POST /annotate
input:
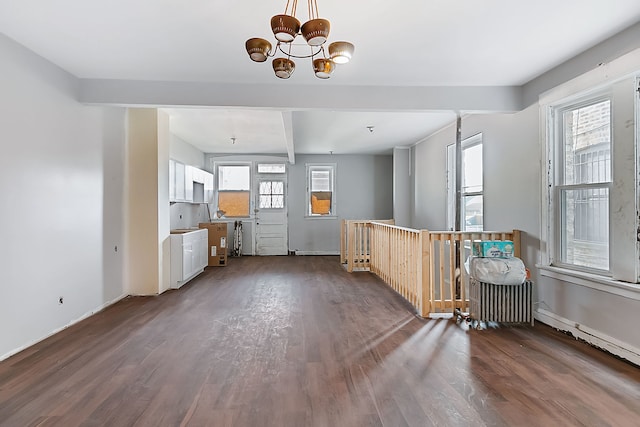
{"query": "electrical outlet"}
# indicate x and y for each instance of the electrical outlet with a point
(61, 300)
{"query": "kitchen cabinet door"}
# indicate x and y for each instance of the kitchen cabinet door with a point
(208, 187)
(188, 178)
(180, 182)
(172, 180)
(188, 267)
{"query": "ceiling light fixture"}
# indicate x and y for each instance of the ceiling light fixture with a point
(315, 31)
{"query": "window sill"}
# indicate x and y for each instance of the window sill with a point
(592, 281)
(321, 217)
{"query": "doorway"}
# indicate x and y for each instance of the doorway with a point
(271, 210)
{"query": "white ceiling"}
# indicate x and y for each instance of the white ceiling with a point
(415, 43)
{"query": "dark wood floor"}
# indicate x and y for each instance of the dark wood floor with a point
(296, 341)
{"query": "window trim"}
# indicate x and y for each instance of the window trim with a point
(332, 167)
(216, 169)
(466, 143)
(622, 77)
(556, 162)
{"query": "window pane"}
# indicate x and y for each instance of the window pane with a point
(234, 177)
(265, 187)
(321, 202)
(234, 203)
(277, 202)
(271, 168)
(265, 202)
(320, 180)
(472, 169)
(271, 194)
(472, 207)
(587, 144)
(585, 227)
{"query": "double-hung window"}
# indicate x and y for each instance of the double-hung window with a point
(583, 180)
(321, 194)
(234, 190)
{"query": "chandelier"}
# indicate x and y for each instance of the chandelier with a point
(315, 31)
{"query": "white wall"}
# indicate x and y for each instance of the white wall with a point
(363, 189)
(512, 200)
(147, 209)
(186, 153)
(56, 199)
(511, 179)
(402, 170)
(429, 163)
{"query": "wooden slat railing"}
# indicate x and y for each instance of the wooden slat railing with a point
(399, 257)
(355, 243)
(448, 281)
(425, 267)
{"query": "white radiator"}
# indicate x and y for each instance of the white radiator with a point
(501, 303)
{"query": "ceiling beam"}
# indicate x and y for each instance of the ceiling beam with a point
(287, 123)
(302, 97)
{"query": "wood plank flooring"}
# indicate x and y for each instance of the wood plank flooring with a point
(297, 341)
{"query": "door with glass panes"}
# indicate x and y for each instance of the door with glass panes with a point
(271, 210)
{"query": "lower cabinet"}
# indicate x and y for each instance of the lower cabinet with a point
(188, 255)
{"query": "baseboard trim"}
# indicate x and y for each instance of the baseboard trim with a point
(591, 336)
(55, 331)
(302, 253)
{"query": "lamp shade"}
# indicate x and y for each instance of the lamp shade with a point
(258, 49)
(323, 68)
(341, 52)
(316, 31)
(283, 67)
(285, 27)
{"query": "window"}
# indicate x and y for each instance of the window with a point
(583, 151)
(271, 194)
(471, 197)
(278, 168)
(234, 190)
(321, 190)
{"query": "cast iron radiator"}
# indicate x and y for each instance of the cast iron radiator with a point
(501, 303)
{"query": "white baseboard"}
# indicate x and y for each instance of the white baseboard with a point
(317, 252)
(593, 337)
(55, 331)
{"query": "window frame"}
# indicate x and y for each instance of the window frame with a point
(271, 179)
(331, 167)
(557, 169)
(622, 77)
(466, 143)
(217, 166)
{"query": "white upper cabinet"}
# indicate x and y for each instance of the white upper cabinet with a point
(172, 180)
(189, 184)
(180, 182)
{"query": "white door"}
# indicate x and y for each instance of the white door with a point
(271, 215)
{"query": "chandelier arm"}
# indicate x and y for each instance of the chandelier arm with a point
(314, 5)
(289, 54)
